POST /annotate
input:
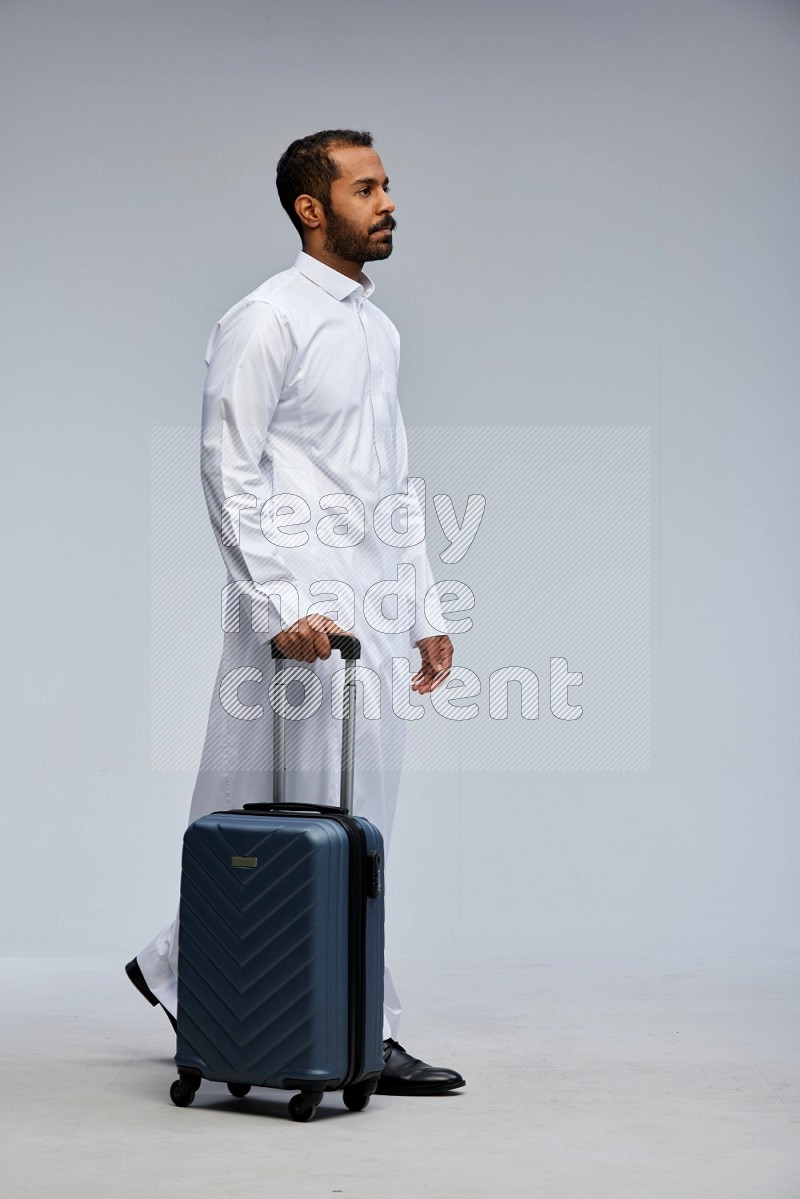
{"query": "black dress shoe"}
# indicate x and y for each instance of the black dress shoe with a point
(134, 973)
(406, 1075)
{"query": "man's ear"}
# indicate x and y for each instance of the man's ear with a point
(309, 211)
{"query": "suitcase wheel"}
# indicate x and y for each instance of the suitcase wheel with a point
(183, 1089)
(356, 1098)
(238, 1089)
(303, 1106)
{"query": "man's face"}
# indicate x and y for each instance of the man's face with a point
(359, 226)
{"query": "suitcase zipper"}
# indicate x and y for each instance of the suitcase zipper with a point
(357, 933)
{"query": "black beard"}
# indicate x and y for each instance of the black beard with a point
(346, 241)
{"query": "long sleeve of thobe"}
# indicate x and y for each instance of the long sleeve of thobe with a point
(247, 360)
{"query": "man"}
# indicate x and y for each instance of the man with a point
(301, 417)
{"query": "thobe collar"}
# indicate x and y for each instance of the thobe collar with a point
(333, 282)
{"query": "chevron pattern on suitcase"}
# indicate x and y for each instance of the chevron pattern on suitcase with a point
(263, 951)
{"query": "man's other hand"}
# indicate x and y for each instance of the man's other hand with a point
(437, 659)
(307, 640)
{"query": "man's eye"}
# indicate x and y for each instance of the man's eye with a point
(364, 191)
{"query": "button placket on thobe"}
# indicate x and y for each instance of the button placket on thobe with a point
(375, 388)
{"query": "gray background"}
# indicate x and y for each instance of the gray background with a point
(596, 209)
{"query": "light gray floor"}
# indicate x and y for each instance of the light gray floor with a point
(583, 1081)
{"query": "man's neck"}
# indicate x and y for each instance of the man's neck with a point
(353, 270)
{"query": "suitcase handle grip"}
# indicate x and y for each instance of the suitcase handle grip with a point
(349, 647)
(289, 807)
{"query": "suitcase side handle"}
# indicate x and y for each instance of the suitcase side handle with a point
(348, 646)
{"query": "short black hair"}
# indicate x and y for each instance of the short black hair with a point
(307, 169)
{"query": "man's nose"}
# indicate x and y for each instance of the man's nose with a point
(385, 204)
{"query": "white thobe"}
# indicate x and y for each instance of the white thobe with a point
(302, 443)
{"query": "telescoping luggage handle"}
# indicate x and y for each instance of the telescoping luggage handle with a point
(350, 649)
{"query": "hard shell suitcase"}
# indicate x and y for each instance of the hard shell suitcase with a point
(281, 940)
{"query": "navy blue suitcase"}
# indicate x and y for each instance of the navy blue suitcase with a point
(281, 941)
